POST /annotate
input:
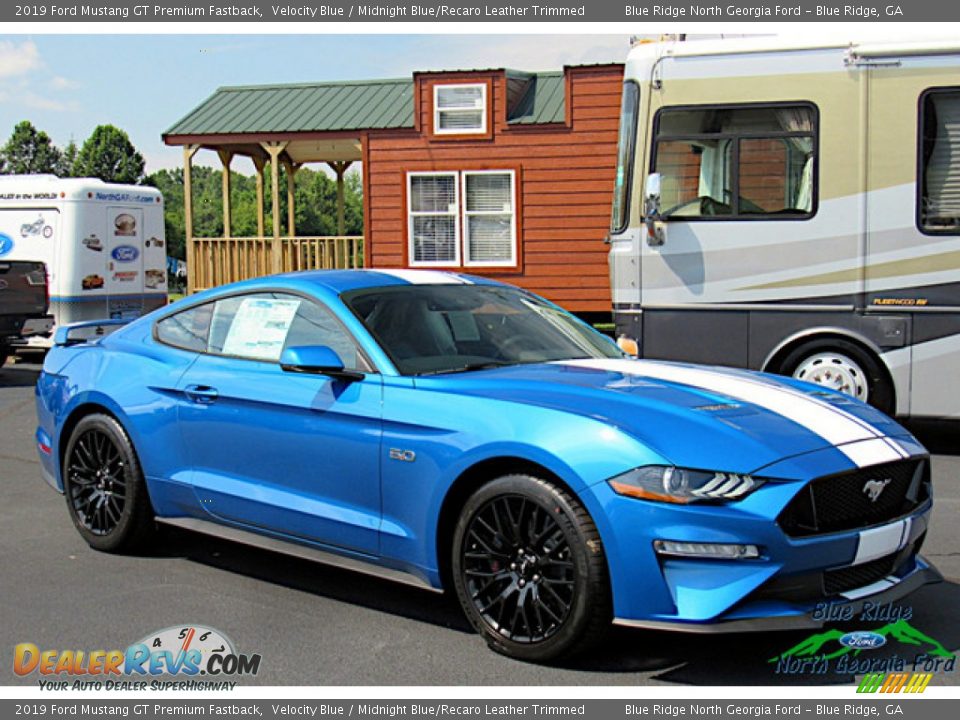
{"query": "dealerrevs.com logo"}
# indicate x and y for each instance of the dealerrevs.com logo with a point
(182, 651)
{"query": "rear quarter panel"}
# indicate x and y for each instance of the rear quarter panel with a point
(129, 377)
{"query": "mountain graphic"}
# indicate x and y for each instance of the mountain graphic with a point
(901, 630)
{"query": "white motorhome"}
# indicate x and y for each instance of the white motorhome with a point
(795, 207)
(103, 244)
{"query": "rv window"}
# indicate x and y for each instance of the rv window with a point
(939, 182)
(629, 107)
(742, 161)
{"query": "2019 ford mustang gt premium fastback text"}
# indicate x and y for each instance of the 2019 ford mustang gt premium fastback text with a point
(455, 432)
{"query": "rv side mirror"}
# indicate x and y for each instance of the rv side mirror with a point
(656, 228)
(651, 193)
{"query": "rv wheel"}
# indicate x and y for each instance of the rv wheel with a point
(842, 366)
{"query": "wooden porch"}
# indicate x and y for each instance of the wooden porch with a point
(221, 260)
(218, 261)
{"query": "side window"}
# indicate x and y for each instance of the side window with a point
(742, 161)
(261, 325)
(187, 330)
(938, 207)
(315, 325)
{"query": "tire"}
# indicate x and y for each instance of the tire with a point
(541, 602)
(103, 484)
(844, 366)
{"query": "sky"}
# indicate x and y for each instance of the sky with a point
(66, 85)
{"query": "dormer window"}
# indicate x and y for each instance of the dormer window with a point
(460, 109)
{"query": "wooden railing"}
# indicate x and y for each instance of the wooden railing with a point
(218, 261)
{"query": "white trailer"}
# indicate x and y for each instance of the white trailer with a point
(794, 206)
(103, 245)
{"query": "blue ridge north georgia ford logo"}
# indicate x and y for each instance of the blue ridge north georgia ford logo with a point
(863, 640)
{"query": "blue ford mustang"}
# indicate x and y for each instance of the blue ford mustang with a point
(455, 432)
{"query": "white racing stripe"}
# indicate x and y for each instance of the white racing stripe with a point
(833, 424)
(872, 452)
(882, 541)
(878, 586)
(425, 277)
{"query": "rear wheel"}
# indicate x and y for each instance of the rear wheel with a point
(842, 366)
(529, 569)
(104, 487)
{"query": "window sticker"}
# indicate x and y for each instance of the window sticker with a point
(260, 328)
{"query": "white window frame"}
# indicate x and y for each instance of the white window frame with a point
(512, 261)
(460, 216)
(411, 214)
(437, 130)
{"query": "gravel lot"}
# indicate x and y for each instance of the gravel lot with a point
(315, 625)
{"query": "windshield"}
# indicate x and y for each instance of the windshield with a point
(433, 329)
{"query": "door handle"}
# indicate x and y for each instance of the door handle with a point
(202, 394)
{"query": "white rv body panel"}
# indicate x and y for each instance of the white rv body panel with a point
(103, 244)
(753, 287)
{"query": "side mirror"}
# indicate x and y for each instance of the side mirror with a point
(316, 360)
(656, 228)
(651, 193)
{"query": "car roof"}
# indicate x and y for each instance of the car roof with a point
(340, 281)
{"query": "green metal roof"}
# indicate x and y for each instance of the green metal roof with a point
(543, 102)
(306, 107)
(352, 105)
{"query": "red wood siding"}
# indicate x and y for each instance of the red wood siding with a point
(564, 176)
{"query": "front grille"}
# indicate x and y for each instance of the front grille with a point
(841, 502)
(858, 576)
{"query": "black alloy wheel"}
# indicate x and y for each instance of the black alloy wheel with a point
(529, 569)
(98, 487)
(104, 487)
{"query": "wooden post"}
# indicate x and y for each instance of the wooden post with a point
(260, 164)
(226, 157)
(291, 169)
(188, 152)
(340, 167)
(274, 150)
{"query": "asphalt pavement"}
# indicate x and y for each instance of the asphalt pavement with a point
(315, 625)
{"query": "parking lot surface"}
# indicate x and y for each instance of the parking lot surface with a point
(315, 625)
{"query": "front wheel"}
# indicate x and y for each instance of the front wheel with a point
(104, 487)
(529, 569)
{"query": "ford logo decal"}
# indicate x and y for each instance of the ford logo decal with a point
(6, 244)
(863, 640)
(125, 253)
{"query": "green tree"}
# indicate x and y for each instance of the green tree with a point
(28, 151)
(109, 155)
(315, 208)
(68, 159)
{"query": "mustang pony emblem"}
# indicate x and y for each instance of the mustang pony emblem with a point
(873, 488)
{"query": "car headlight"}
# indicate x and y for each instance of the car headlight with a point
(666, 483)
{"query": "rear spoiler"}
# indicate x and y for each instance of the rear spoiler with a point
(87, 331)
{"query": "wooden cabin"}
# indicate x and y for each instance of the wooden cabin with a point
(494, 172)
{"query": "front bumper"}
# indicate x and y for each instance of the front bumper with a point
(788, 586)
(925, 573)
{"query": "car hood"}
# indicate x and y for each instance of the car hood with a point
(696, 416)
